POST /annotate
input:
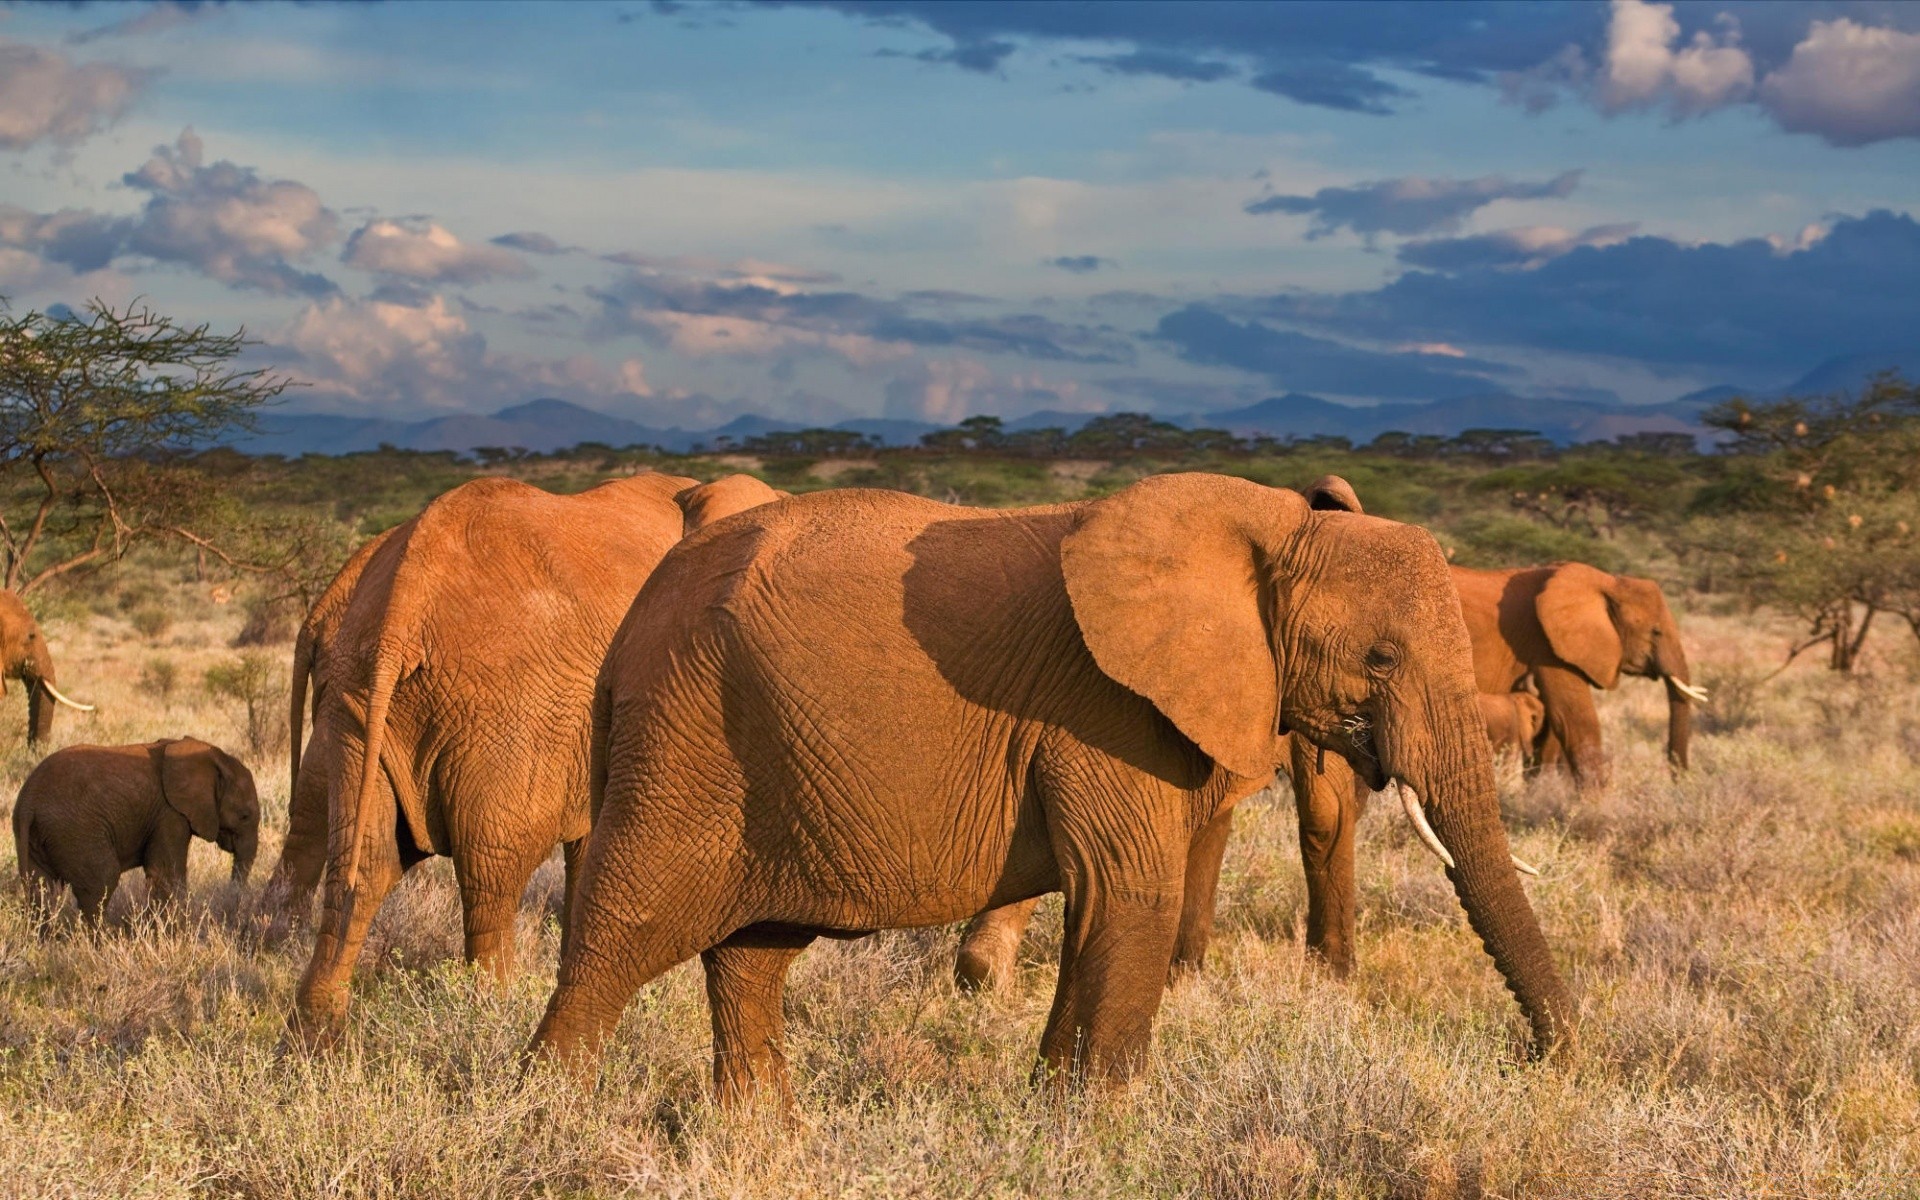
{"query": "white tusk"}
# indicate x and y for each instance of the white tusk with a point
(1696, 694)
(1418, 815)
(55, 693)
(1523, 866)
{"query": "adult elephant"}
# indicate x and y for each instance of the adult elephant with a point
(303, 855)
(1575, 628)
(859, 710)
(24, 656)
(1328, 802)
(452, 691)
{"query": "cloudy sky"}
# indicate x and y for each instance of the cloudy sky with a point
(679, 212)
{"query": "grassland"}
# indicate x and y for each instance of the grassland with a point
(1744, 941)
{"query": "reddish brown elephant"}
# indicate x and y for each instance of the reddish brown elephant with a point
(1574, 628)
(1513, 721)
(451, 692)
(24, 656)
(858, 710)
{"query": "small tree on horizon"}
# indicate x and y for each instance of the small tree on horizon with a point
(96, 409)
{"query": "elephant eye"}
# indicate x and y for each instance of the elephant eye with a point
(1383, 657)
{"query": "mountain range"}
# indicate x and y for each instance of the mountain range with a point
(547, 425)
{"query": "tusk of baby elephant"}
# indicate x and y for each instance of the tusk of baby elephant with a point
(1523, 866)
(1418, 815)
(1696, 694)
(55, 693)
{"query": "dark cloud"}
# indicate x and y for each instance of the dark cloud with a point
(531, 243)
(981, 57)
(74, 238)
(1167, 64)
(1304, 363)
(1080, 264)
(1316, 53)
(1331, 85)
(1409, 206)
(1746, 305)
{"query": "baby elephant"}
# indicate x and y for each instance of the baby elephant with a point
(87, 813)
(1513, 721)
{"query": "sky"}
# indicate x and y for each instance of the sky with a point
(682, 212)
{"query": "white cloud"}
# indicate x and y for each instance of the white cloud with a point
(381, 355)
(947, 391)
(227, 222)
(1851, 84)
(1643, 69)
(47, 97)
(427, 253)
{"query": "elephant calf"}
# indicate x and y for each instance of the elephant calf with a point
(88, 813)
(1513, 721)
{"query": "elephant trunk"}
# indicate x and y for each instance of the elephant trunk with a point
(1680, 696)
(245, 846)
(1461, 802)
(35, 674)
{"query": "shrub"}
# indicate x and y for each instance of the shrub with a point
(270, 622)
(254, 680)
(159, 677)
(151, 621)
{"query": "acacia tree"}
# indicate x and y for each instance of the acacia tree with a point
(96, 409)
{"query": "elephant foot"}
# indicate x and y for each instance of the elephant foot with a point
(314, 1028)
(983, 965)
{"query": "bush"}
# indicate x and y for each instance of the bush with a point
(270, 621)
(159, 677)
(254, 679)
(151, 621)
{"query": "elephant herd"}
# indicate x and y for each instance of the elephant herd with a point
(751, 720)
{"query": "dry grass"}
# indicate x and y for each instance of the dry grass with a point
(1746, 944)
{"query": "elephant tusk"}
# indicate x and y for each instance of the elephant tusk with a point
(1696, 694)
(55, 693)
(1418, 815)
(1523, 866)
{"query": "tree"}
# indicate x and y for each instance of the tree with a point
(96, 410)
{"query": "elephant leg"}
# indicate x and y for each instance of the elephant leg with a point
(1114, 959)
(492, 880)
(644, 904)
(746, 978)
(1204, 857)
(91, 895)
(289, 893)
(320, 1003)
(42, 897)
(1328, 805)
(1575, 723)
(990, 946)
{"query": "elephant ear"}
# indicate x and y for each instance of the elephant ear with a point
(1533, 714)
(190, 783)
(1330, 493)
(1575, 614)
(705, 503)
(1166, 581)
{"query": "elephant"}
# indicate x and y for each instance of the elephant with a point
(88, 813)
(303, 856)
(452, 690)
(1329, 799)
(1575, 627)
(1513, 721)
(709, 502)
(24, 656)
(857, 710)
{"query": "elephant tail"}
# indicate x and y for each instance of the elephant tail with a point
(387, 667)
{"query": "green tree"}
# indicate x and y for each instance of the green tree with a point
(96, 411)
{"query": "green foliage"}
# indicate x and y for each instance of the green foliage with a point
(254, 680)
(151, 621)
(159, 677)
(91, 406)
(1502, 540)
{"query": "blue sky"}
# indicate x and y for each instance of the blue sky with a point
(682, 212)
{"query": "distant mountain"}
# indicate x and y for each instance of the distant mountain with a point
(1851, 372)
(1565, 421)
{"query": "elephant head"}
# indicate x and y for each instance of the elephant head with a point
(706, 503)
(24, 656)
(1529, 713)
(214, 791)
(1605, 626)
(1242, 614)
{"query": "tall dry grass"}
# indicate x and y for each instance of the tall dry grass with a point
(1745, 943)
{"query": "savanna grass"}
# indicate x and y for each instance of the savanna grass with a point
(1744, 941)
